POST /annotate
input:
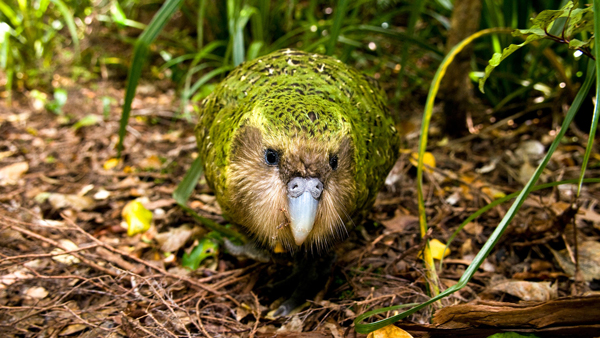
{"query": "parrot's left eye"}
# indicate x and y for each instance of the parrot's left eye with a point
(271, 157)
(333, 162)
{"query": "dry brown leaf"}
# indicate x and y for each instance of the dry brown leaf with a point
(66, 259)
(294, 325)
(11, 174)
(399, 222)
(529, 291)
(37, 292)
(473, 228)
(173, 239)
(589, 260)
(15, 276)
(76, 202)
(74, 328)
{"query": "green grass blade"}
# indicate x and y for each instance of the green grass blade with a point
(487, 247)
(41, 8)
(140, 51)
(6, 60)
(204, 79)
(340, 14)
(68, 16)
(417, 8)
(427, 258)
(400, 36)
(10, 14)
(200, 25)
(285, 40)
(254, 49)
(196, 56)
(185, 189)
(264, 8)
(518, 92)
(235, 31)
(190, 90)
(508, 198)
(592, 134)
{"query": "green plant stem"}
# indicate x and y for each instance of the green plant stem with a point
(592, 134)
(428, 260)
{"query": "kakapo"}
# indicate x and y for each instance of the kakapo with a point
(295, 146)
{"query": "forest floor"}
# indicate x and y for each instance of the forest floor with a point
(61, 190)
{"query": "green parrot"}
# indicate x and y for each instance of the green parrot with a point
(295, 146)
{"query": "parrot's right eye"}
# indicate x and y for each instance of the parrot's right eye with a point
(333, 162)
(271, 157)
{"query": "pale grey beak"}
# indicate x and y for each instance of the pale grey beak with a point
(303, 200)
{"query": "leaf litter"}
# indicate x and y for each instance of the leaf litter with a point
(68, 267)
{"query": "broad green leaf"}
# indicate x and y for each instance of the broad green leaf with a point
(60, 96)
(578, 44)
(526, 32)
(499, 57)
(581, 20)
(547, 17)
(578, 20)
(206, 248)
(86, 121)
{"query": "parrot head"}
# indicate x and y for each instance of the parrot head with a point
(291, 173)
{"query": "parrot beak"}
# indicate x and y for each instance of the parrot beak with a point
(303, 200)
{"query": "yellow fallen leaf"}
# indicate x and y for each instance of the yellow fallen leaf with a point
(428, 161)
(111, 163)
(437, 249)
(150, 163)
(493, 192)
(31, 131)
(389, 331)
(467, 178)
(138, 218)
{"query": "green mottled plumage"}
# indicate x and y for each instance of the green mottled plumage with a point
(296, 100)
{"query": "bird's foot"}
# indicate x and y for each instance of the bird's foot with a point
(247, 250)
(310, 276)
